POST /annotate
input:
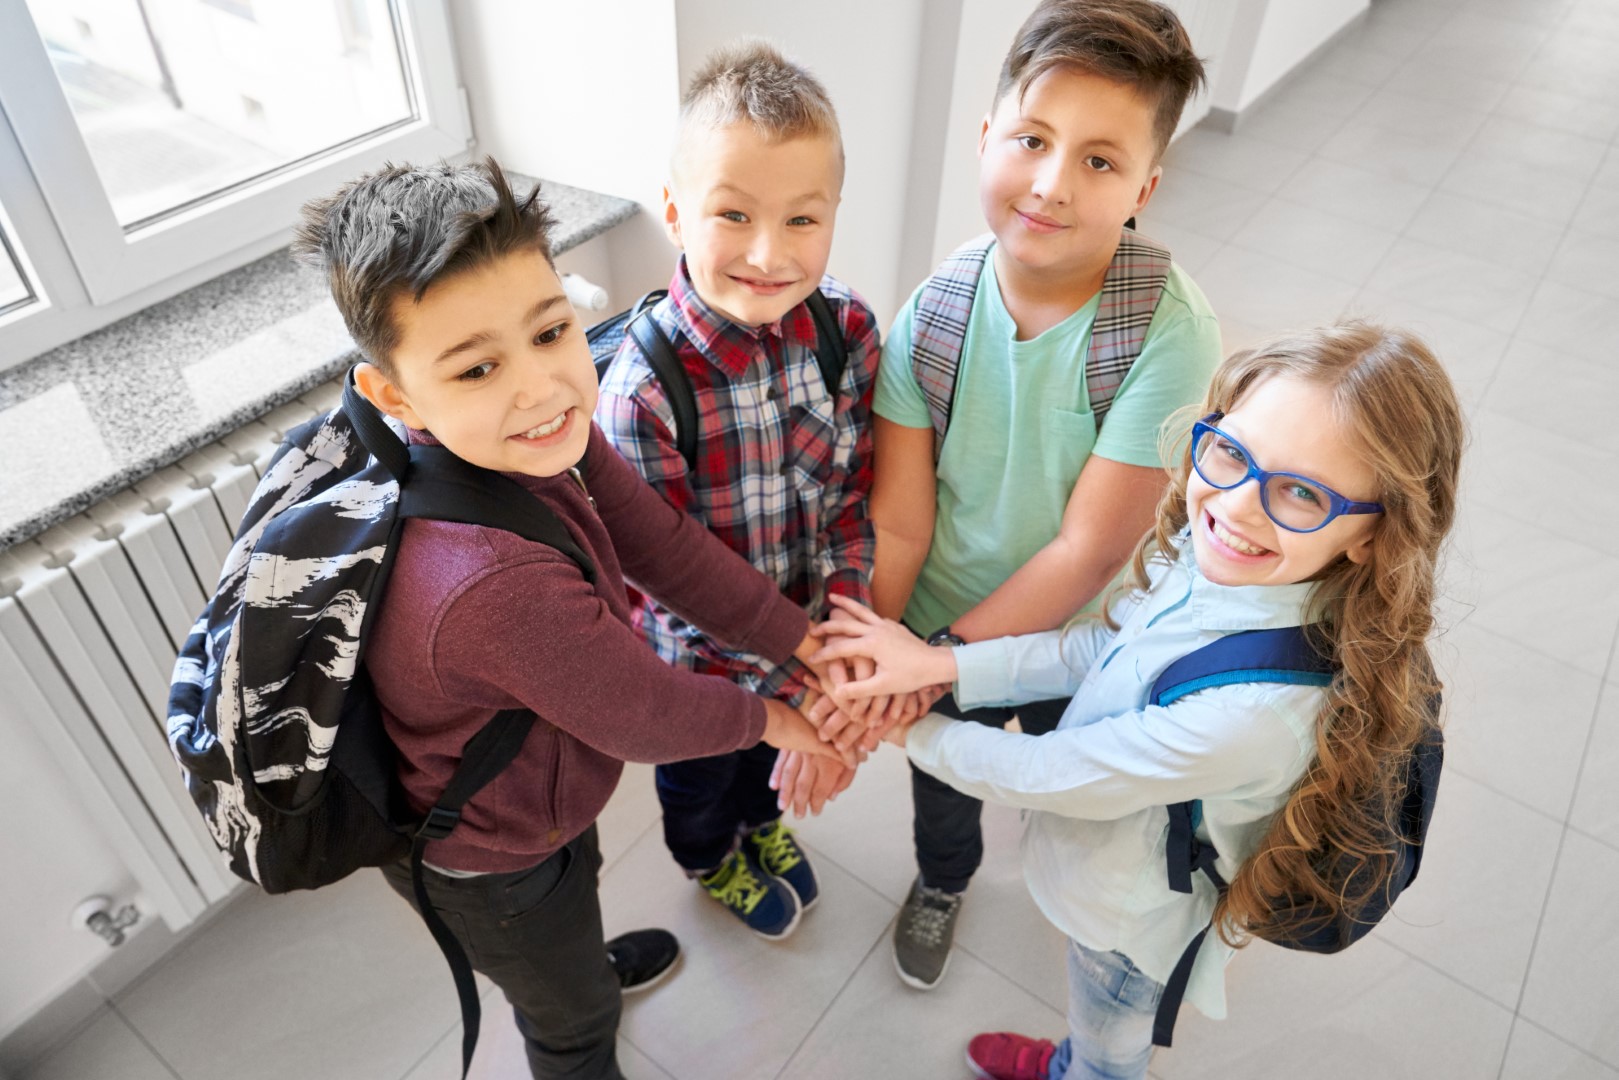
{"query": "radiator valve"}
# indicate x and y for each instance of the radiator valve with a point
(97, 916)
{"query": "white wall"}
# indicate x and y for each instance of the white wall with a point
(54, 857)
(1271, 37)
(587, 94)
(584, 94)
(866, 55)
(986, 30)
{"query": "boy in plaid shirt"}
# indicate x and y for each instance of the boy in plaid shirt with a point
(783, 462)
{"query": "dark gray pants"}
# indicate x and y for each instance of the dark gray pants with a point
(949, 839)
(537, 934)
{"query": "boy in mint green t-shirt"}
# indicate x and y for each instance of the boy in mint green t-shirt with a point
(1016, 512)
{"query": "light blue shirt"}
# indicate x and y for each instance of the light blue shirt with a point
(1094, 850)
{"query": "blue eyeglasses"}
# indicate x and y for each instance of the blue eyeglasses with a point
(1296, 503)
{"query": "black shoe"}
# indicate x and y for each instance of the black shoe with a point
(642, 958)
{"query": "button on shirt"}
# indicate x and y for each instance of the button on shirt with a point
(783, 466)
(1094, 850)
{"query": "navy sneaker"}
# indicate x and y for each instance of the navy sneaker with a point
(778, 853)
(765, 903)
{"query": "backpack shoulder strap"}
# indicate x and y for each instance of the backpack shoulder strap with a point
(1130, 293)
(495, 746)
(671, 373)
(831, 351)
(940, 330)
(445, 487)
(606, 336)
(1282, 655)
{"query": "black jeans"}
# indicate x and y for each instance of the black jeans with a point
(707, 801)
(537, 934)
(949, 841)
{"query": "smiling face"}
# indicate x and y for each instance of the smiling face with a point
(1062, 170)
(754, 217)
(1288, 425)
(493, 362)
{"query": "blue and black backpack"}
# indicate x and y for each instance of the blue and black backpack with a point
(1286, 655)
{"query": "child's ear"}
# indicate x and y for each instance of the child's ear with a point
(983, 134)
(671, 218)
(382, 392)
(1148, 188)
(1361, 551)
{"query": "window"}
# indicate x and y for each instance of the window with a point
(14, 291)
(165, 136)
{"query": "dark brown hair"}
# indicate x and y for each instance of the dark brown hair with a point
(398, 230)
(1138, 43)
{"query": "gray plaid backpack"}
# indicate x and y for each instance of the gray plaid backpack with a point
(1130, 292)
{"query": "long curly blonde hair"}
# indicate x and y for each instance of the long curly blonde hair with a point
(1397, 404)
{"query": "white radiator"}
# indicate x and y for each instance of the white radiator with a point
(92, 614)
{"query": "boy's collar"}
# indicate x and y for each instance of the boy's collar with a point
(730, 344)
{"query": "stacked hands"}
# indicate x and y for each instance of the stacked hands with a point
(869, 680)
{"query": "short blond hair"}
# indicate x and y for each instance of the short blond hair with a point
(750, 80)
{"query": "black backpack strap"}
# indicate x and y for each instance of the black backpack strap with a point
(486, 753)
(444, 487)
(831, 351)
(1282, 655)
(660, 355)
(376, 436)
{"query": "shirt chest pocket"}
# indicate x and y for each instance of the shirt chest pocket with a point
(814, 441)
(1069, 438)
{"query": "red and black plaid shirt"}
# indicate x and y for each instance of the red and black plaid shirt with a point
(783, 470)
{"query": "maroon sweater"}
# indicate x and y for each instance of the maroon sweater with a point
(476, 620)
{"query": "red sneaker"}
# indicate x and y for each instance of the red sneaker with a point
(1001, 1055)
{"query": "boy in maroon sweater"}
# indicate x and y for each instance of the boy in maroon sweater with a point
(445, 281)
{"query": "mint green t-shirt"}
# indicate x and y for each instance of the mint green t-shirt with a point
(1021, 429)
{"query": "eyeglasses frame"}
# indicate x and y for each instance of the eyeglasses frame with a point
(1337, 507)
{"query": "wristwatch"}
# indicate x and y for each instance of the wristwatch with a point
(945, 636)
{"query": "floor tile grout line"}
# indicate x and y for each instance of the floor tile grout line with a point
(1010, 978)
(1590, 731)
(144, 1041)
(1603, 677)
(1544, 1030)
(1450, 976)
(1557, 862)
(1587, 834)
(832, 1002)
(1550, 819)
(820, 853)
(608, 867)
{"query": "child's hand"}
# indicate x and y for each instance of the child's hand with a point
(904, 662)
(788, 729)
(807, 783)
(834, 724)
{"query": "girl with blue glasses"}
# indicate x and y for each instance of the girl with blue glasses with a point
(1315, 492)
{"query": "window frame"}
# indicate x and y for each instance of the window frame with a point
(85, 270)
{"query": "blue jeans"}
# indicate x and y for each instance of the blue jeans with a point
(1111, 1006)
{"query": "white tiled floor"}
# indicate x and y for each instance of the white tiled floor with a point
(1448, 165)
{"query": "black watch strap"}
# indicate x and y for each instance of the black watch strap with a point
(945, 636)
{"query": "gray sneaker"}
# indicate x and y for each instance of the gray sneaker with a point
(922, 937)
